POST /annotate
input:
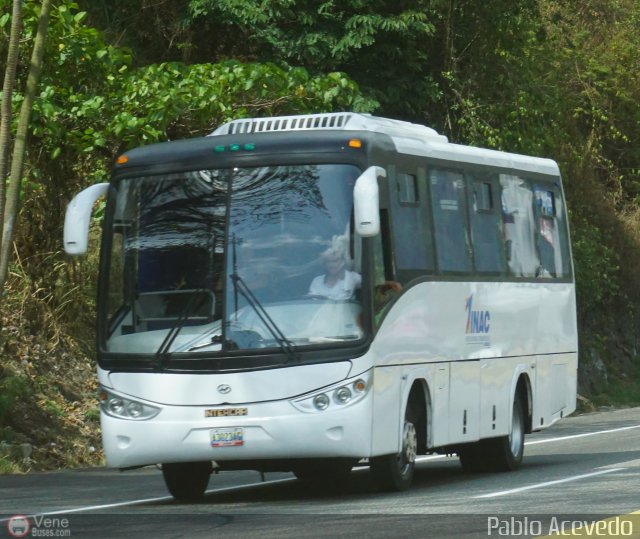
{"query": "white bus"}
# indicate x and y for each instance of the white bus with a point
(305, 293)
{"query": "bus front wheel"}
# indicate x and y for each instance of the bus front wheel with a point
(187, 481)
(395, 472)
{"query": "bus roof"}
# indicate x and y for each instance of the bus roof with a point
(408, 138)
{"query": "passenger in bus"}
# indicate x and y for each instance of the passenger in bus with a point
(338, 282)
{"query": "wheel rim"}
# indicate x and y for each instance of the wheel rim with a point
(409, 448)
(517, 431)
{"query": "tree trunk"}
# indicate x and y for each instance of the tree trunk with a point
(7, 93)
(19, 148)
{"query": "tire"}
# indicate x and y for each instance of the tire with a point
(395, 472)
(325, 473)
(187, 481)
(507, 452)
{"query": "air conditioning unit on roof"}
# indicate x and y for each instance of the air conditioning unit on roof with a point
(347, 121)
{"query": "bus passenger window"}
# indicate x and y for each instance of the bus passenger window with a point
(550, 232)
(412, 243)
(407, 188)
(486, 228)
(519, 226)
(562, 253)
(448, 206)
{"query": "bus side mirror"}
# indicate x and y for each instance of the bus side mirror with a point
(366, 203)
(78, 216)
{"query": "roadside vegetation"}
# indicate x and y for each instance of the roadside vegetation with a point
(541, 77)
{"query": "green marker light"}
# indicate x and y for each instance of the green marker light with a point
(250, 147)
(219, 149)
(234, 147)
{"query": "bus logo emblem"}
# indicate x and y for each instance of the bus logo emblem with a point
(478, 324)
(224, 389)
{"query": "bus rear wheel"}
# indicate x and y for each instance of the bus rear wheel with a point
(507, 452)
(187, 481)
(395, 472)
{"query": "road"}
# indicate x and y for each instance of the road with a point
(585, 468)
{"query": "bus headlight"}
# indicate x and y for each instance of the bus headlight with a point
(125, 408)
(321, 402)
(335, 397)
(115, 406)
(342, 395)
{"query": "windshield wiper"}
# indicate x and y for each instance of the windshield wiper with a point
(239, 285)
(162, 354)
(215, 339)
(285, 344)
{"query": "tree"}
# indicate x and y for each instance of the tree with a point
(7, 93)
(9, 214)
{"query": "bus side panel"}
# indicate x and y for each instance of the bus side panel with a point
(555, 395)
(387, 386)
(486, 334)
(464, 402)
(439, 420)
(495, 386)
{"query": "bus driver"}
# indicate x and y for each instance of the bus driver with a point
(338, 283)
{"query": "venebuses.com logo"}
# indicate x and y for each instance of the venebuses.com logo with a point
(18, 526)
(38, 526)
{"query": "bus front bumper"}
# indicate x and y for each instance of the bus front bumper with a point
(271, 430)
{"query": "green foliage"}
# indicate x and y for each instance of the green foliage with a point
(623, 389)
(175, 100)
(13, 387)
(314, 32)
(597, 268)
(52, 408)
(93, 415)
(384, 46)
(7, 466)
(172, 100)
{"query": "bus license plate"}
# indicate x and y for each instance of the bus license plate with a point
(226, 437)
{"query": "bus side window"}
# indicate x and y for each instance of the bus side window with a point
(551, 236)
(546, 234)
(519, 226)
(563, 265)
(413, 249)
(449, 219)
(486, 226)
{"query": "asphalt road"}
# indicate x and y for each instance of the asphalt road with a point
(584, 469)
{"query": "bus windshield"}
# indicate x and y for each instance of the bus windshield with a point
(232, 259)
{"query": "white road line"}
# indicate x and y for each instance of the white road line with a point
(573, 436)
(147, 500)
(547, 483)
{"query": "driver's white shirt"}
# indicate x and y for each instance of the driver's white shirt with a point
(343, 289)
